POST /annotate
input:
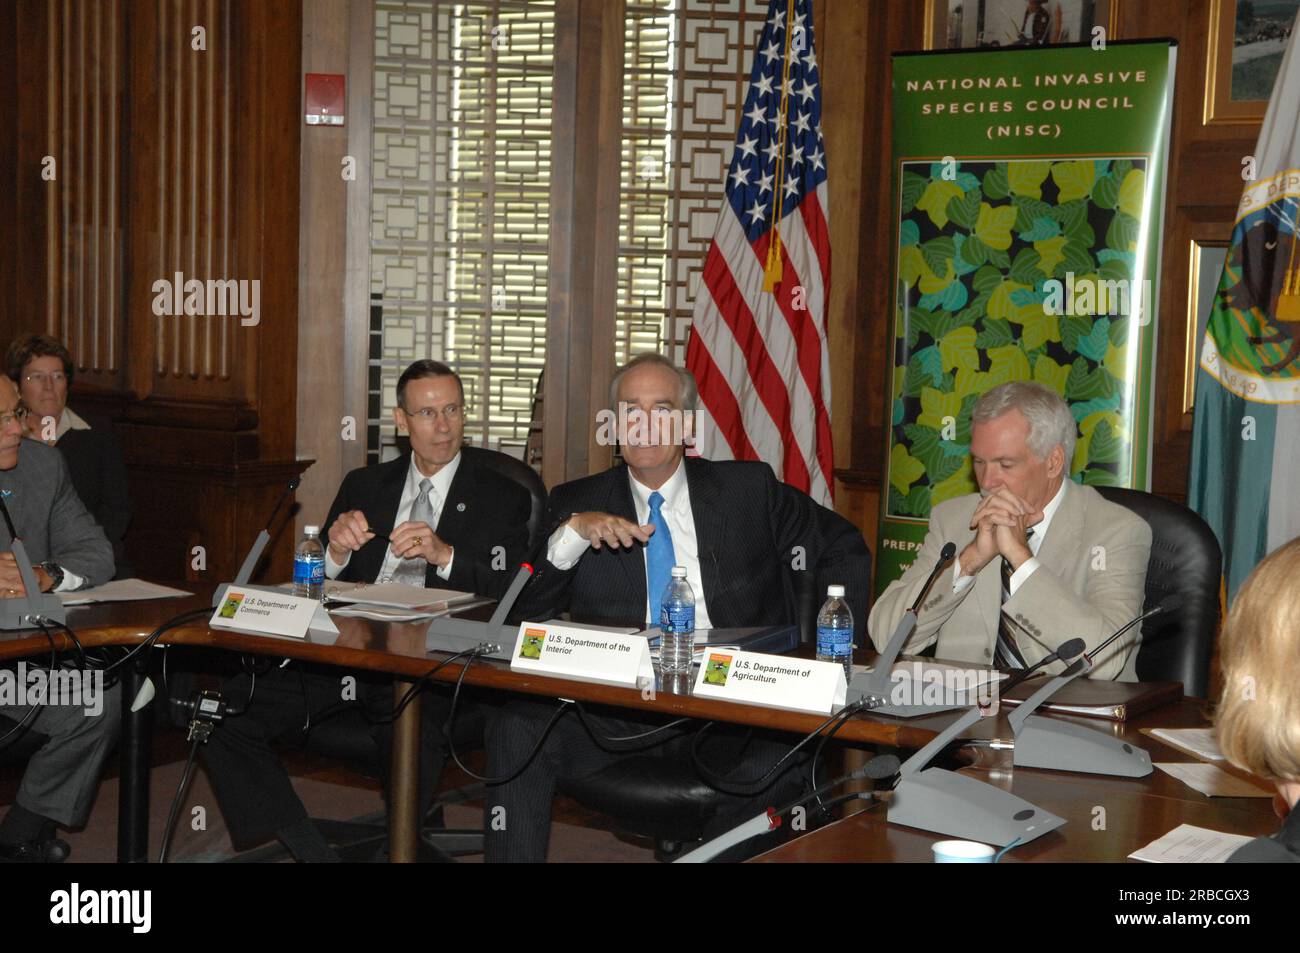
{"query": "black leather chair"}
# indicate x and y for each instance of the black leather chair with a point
(344, 734)
(525, 476)
(1186, 560)
(664, 798)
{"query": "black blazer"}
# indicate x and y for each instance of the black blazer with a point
(94, 461)
(748, 526)
(1282, 848)
(483, 510)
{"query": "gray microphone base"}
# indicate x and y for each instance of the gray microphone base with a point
(17, 613)
(949, 803)
(899, 711)
(446, 634)
(1063, 746)
(862, 686)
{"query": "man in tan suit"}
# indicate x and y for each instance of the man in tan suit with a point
(1041, 559)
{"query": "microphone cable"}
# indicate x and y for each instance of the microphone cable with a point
(177, 798)
(420, 685)
(43, 623)
(251, 672)
(622, 739)
(743, 788)
(156, 634)
(451, 730)
(845, 717)
(31, 714)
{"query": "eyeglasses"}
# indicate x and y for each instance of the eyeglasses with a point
(18, 413)
(451, 413)
(40, 377)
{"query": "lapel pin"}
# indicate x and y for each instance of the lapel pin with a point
(460, 507)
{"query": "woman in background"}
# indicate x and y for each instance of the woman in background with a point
(42, 368)
(1258, 720)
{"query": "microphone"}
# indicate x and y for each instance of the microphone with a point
(878, 768)
(945, 557)
(293, 485)
(508, 600)
(1082, 665)
(1170, 603)
(448, 634)
(1067, 650)
(4, 511)
(1050, 743)
(259, 546)
(877, 683)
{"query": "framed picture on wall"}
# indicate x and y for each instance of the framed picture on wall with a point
(1205, 268)
(1246, 41)
(973, 24)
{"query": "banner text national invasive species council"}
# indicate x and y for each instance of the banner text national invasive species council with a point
(1029, 186)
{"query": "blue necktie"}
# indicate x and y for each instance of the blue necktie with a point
(659, 555)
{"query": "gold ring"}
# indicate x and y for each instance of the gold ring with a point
(419, 540)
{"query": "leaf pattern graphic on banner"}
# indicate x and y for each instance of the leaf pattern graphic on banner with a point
(1007, 271)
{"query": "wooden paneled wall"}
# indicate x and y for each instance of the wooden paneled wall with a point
(174, 127)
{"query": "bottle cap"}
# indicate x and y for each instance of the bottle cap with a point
(679, 572)
(311, 530)
(835, 592)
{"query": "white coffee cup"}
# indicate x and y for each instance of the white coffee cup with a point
(962, 852)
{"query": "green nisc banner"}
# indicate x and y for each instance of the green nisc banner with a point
(1029, 185)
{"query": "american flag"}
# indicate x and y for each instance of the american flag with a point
(758, 344)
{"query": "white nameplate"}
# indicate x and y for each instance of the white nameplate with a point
(773, 681)
(586, 654)
(247, 609)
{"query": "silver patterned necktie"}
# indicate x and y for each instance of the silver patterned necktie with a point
(412, 571)
(1006, 651)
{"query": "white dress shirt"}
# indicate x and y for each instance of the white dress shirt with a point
(69, 421)
(440, 487)
(566, 547)
(1035, 543)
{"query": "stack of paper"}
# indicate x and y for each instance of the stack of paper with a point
(395, 595)
(1198, 742)
(121, 590)
(1212, 781)
(1188, 844)
(392, 614)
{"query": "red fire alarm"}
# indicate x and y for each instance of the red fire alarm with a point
(323, 103)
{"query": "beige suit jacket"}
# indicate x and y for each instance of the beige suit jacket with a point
(1090, 581)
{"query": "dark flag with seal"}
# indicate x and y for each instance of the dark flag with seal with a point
(1246, 437)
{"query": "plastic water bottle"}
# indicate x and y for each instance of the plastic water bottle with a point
(677, 622)
(835, 630)
(309, 565)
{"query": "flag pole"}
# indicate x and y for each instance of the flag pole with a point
(772, 268)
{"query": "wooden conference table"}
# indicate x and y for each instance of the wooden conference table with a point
(398, 649)
(1133, 811)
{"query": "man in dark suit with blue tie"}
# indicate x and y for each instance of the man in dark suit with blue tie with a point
(434, 517)
(736, 530)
